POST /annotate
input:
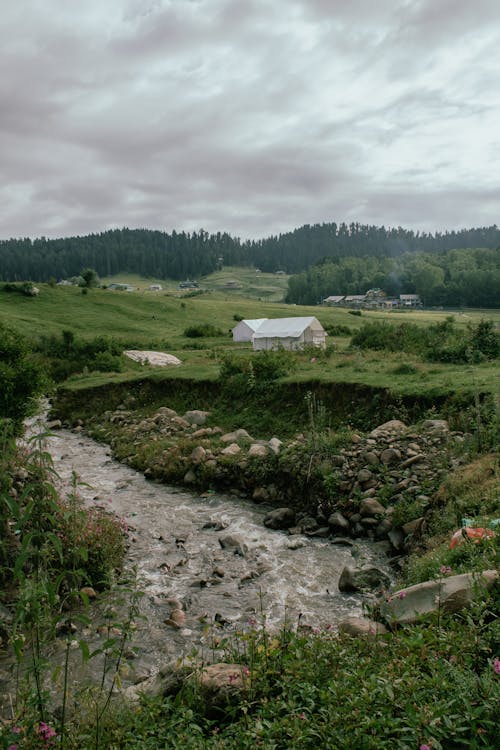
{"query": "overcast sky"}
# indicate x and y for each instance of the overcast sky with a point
(248, 116)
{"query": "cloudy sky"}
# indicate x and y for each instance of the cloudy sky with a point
(248, 116)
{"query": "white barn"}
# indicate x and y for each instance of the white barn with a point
(246, 329)
(289, 333)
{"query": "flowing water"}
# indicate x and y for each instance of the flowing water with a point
(174, 546)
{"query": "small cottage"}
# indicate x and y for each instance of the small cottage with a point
(289, 333)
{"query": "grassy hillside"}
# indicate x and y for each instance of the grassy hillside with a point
(157, 320)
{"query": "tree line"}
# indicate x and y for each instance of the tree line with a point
(180, 255)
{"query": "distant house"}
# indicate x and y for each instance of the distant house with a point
(409, 300)
(245, 329)
(289, 333)
(333, 299)
(155, 287)
(355, 300)
(117, 287)
(188, 285)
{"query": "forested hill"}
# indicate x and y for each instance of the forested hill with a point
(179, 255)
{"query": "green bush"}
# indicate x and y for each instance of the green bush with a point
(333, 329)
(202, 330)
(21, 377)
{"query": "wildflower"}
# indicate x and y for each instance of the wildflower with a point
(445, 570)
(233, 677)
(496, 666)
(302, 716)
(245, 671)
(15, 730)
(252, 621)
(425, 747)
(402, 594)
(12, 747)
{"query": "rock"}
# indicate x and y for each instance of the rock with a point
(358, 579)
(436, 425)
(362, 626)
(280, 518)
(216, 525)
(371, 507)
(232, 450)
(260, 494)
(397, 539)
(164, 413)
(394, 426)
(180, 423)
(364, 475)
(221, 683)
(242, 434)
(296, 543)
(390, 456)
(337, 522)
(177, 618)
(371, 458)
(257, 450)
(412, 527)
(55, 424)
(196, 416)
(275, 445)
(446, 594)
(189, 477)
(198, 454)
(235, 543)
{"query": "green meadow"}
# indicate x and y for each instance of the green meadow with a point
(157, 320)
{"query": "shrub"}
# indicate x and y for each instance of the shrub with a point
(333, 329)
(357, 313)
(202, 330)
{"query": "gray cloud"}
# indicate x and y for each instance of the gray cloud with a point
(248, 116)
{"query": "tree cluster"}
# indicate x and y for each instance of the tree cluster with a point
(457, 278)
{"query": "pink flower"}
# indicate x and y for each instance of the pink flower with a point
(445, 570)
(402, 594)
(425, 747)
(496, 666)
(302, 716)
(12, 747)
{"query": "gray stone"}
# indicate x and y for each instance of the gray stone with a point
(359, 579)
(436, 425)
(394, 426)
(280, 518)
(446, 595)
(362, 626)
(390, 456)
(232, 450)
(337, 522)
(413, 527)
(370, 506)
(189, 477)
(364, 475)
(275, 445)
(196, 416)
(234, 543)
(257, 450)
(198, 454)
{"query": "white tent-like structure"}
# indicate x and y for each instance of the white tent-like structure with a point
(289, 333)
(246, 329)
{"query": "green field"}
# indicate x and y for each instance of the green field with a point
(157, 320)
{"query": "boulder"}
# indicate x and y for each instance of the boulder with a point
(370, 507)
(232, 450)
(362, 626)
(275, 445)
(280, 518)
(364, 475)
(198, 454)
(394, 426)
(257, 450)
(221, 684)
(189, 477)
(337, 522)
(390, 456)
(235, 543)
(196, 416)
(359, 579)
(446, 594)
(436, 425)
